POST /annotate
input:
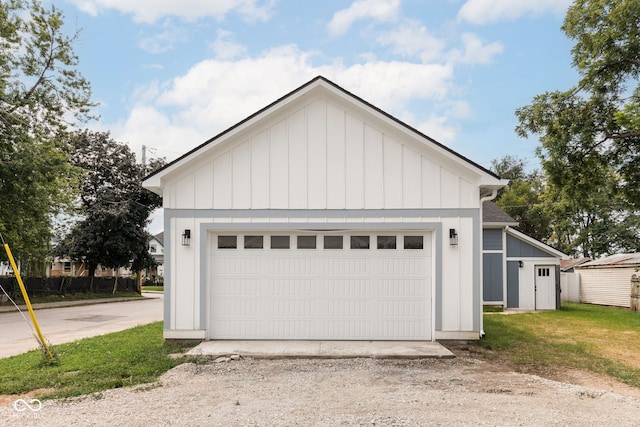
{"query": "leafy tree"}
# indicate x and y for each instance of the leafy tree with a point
(523, 197)
(40, 93)
(509, 167)
(115, 208)
(593, 218)
(590, 134)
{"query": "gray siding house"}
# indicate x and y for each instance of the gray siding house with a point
(518, 271)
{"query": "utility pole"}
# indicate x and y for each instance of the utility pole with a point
(144, 172)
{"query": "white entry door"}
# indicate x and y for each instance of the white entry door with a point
(320, 285)
(545, 287)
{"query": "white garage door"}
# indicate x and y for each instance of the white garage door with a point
(330, 286)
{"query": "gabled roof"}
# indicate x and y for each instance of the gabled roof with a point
(492, 215)
(613, 261)
(569, 264)
(159, 237)
(152, 181)
(536, 243)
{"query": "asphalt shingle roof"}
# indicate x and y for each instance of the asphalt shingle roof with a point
(492, 214)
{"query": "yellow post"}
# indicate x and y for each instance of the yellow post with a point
(26, 300)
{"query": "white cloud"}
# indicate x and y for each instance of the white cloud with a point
(149, 11)
(224, 46)
(439, 124)
(164, 40)
(214, 94)
(475, 51)
(378, 10)
(488, 11)
(438, 127)
(413, 39)
(223, 92)
(391, 85)
(147, 125)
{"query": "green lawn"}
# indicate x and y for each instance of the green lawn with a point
(153, 288)
(135, 356)
(603, 340)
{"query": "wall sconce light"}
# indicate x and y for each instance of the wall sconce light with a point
(186, 238)
(520, 264)
(453, 237)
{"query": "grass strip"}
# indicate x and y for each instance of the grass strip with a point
(153, 288)
(603, 340)
(134, 356)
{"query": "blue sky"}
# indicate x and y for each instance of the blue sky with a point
(170, 74)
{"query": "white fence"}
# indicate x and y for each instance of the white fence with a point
(602, 286)
(570, 285)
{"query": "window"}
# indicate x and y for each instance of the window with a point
(67, 266)
(280, 242)
(543, 272)
(306, 242)
(413, 242)
(253, 242)
(227, 242)
(386, 242)
(153, 249)
(359, 242)
(333, 242)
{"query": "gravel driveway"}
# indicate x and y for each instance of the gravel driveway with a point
(340, 392)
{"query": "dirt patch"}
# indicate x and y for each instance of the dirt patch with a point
(595, 381)
(346, 392)
(566, 375)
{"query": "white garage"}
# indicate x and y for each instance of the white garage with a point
(312, 285)
(321, 217)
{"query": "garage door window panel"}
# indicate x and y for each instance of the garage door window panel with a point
(306, 242)
(359, 242)
(227, 242)
(413, 242)
(386, 242)
(333, 242)
(253, 242)
(280, 242)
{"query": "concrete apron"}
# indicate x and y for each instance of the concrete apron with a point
(322, 349)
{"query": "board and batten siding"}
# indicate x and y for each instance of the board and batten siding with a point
(322, 156)
(606, 286)
(493, 265)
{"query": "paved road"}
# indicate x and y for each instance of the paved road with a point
(61, 325)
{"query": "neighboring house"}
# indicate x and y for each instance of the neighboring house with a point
(568, 265)
(5, 269)
(156, 249)
(519, 272)
(323, 217)
(607, 281)
(68, 268)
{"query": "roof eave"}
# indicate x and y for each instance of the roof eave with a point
(534, 242)
(490, 224)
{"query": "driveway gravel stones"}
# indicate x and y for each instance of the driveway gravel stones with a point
(340, 392)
